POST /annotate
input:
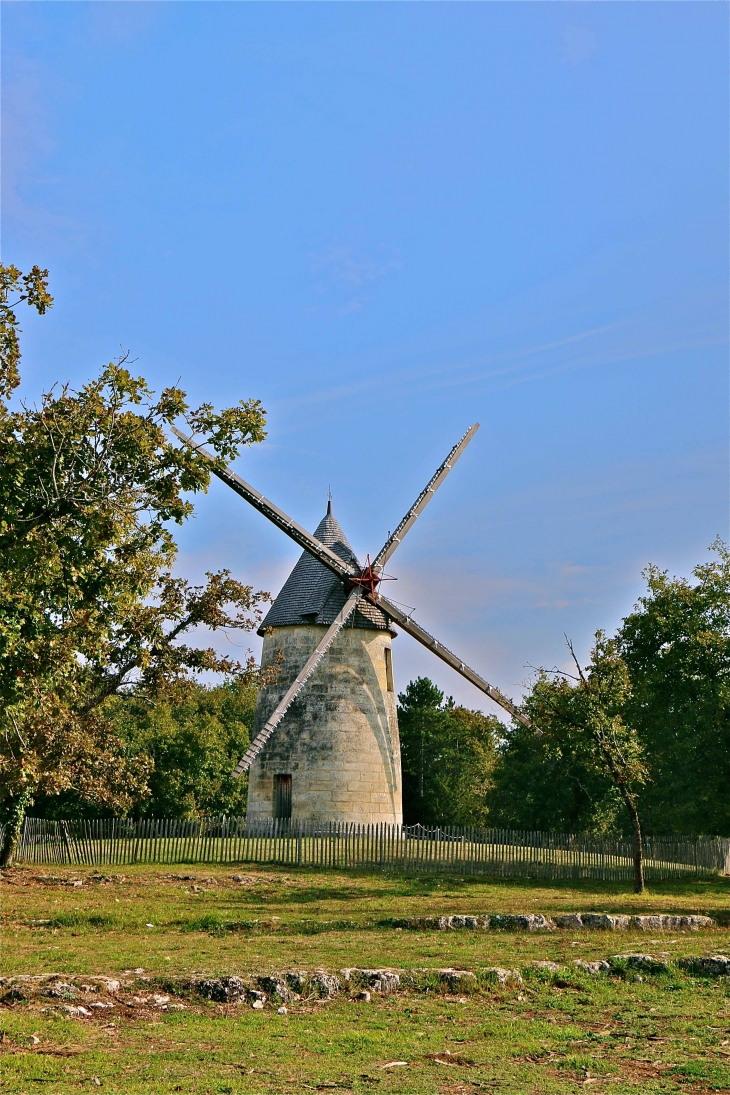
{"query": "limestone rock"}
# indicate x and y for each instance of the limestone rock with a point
(530, 922)
(593, 968)
(61, 990)
(385, 982)
(568, 920)
(324, 985)
(503, 977)
(457, 980)
(605, 921)
(221, 989)
(296, 981)
(667, 922)
(644, 962)
(716, 965)
(470, 922)
(274, 985)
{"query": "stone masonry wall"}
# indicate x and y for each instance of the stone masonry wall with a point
(339, 740)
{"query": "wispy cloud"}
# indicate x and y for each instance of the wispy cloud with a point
(577, 44)
(342, 264)
(340, 270)
(667, 328)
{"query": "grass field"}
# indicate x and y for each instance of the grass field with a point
(563, 1032)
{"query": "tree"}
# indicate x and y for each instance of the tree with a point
(194, 737)
(585, 714)
(190, 739)
(676, 645)
(89, 607)
(543, 782)
(447, 756)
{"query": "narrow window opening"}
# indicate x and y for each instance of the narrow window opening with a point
(389, 670)
(282, 797)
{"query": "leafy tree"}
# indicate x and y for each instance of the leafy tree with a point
(89, 608)
(447, 756)
(190, 740)
(583, 716)
(544, 783)
(676, 644)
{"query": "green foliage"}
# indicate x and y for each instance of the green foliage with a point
(447, 756)
(672, 654)
(544, 784)
(194, 738)
(676, 645)
(189, 741)
(89, 608)
(31, 289)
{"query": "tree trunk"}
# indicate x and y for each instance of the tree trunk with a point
(638, 841)
(14, 826)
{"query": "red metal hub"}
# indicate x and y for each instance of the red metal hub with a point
(368, 578)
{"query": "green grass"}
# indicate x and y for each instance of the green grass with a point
(570, 1033)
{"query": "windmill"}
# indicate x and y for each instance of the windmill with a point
(329, 750)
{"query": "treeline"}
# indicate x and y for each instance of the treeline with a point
(462, 767)
(673, 714)
(186, 744)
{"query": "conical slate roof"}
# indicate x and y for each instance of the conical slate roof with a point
(313, 595)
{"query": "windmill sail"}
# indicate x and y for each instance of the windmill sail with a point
(407, 624)
(255, 498)
(396, 538)
(310, 596)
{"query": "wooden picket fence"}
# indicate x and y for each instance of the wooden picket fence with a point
(464, 851)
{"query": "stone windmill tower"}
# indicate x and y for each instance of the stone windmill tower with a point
(335, 756)
(328, 750)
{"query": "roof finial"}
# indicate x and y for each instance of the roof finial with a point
(329, 499)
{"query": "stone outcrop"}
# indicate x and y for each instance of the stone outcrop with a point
(716, 965)
(665, 922)
(593, 968)
(359, 983)
(532, 922)
(644, 963)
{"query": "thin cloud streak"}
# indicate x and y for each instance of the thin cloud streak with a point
(506, 366)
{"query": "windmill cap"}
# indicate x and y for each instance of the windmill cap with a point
(312, 594)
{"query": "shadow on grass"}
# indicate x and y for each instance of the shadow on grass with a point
(410, 886)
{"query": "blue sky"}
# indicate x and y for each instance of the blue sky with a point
(388, 221)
